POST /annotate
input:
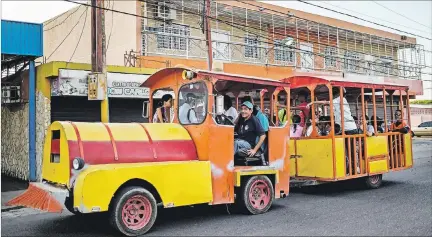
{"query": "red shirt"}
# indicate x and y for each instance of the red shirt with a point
(304, 112)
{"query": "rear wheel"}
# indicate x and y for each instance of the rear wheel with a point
(257, 195)
(133, 211)
(373, 181)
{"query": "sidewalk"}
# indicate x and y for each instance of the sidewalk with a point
(10, 188)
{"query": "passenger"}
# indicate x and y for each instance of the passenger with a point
(399, 125)
(230, 111)
(303, 107)
(163, 112)
(370, 131)
(296, 130)
(309, 124)
(258, 114)
(350, 126)
(248, 129)
(324, 125)
(187, 114)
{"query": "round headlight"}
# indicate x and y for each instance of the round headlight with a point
(78, 163)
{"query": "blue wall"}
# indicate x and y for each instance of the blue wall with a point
(21, 38)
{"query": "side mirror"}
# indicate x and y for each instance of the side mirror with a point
(146, 109)
(219, 104)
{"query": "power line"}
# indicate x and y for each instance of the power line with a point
(112, 24)
(66, 36)
(428, 32)
(359, 18)
(401, 15)
(79, 39)
(265, 37)
(298, 49)
(64, 20)
(319, 43)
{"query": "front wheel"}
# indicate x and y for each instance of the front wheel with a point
(134, 211)
(257, 195)
(373, 181)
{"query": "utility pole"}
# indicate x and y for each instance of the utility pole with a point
(98, 58)
(208, 34)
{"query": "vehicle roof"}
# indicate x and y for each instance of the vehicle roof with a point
(305, 80)
(218, 75)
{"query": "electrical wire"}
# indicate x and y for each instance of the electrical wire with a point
(63, 21)
(112, 24)
(298, 49)
(255, 28)
(64, 39)
(401, 15)
(79, 39)
(428, 32)
(298, 38)
(359, 18)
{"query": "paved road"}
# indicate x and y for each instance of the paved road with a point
(402, 206)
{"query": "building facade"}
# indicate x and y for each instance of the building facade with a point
(248, 38)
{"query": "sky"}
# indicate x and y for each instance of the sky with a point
(410, 16)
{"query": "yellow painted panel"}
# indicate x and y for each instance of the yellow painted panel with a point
(166, 131)
(56, 172)
(377, 146)
(408, 153)
(127, 132)
(68, 130)
(340, 157)
(316, 158)
(178, 183)
(240, 173)
(378, 166)
(293, 161)
(93, 132)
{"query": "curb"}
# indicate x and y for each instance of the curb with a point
(7, 209)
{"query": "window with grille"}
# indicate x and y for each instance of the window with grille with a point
(352, 61)
(171, 36)
(330, 57)
(283, 53)
(251, 47)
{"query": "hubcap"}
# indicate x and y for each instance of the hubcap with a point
(136, 212)
(259, 195)
(374, 179)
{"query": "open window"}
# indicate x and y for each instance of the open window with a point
(192, 105)
(163, 100)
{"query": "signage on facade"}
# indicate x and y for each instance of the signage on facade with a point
(120, 85)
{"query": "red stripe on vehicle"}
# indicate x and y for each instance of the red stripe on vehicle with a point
(135, 151)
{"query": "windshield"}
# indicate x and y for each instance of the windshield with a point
(192, 103)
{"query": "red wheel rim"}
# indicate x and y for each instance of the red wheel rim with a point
(136, 212)
(259, 194)
(374, 179)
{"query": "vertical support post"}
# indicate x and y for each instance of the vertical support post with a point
(99, 50)
(385, 110)
(32, 122)
(208, 36)
(391, 106)
(374, 111)
(341, 104)
(363, 110)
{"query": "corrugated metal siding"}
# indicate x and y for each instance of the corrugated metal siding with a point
(21, 38)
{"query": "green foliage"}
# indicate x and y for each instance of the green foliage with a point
(421, 102)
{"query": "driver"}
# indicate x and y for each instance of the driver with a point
(187, 114)
(248, 129)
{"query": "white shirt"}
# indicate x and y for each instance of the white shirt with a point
(349, 123)
(183, 114)
(370, 129)
(231, 112)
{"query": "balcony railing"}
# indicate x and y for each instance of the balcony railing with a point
(300, 56)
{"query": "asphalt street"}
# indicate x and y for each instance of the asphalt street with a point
(402, 207)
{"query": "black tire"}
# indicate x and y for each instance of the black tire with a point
(246, 204)
(121, 200)
(373, 181)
